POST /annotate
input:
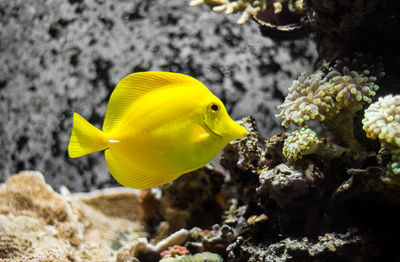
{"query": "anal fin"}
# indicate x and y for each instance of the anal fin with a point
(130, 175)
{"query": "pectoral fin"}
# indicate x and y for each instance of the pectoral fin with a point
(198, 133)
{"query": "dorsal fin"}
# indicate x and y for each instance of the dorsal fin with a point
(134, 86)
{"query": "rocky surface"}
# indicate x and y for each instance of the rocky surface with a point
(113, 224)
(38, 224)
(57, 57)
(309, 210)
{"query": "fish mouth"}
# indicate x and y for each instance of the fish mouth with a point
(209, 130)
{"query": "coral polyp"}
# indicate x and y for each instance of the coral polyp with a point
(324, 93)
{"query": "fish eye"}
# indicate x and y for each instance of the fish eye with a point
(213, 107)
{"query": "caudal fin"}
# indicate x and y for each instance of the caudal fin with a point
(85, 138)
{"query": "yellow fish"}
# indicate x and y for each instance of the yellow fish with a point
(158, 126)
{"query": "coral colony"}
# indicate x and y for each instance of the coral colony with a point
(325, 93)
(382, 121)
(331, 96)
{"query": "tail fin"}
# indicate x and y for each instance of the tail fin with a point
(85, 138)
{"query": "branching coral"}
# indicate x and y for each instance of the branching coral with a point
(249, 7)
(323, 94)
(300, 142)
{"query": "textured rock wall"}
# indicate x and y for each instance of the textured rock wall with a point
(57, 57)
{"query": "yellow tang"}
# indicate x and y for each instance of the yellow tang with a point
(158, 126)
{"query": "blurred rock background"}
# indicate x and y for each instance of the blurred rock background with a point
(57, 57)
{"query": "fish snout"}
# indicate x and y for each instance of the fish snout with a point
(236, 131)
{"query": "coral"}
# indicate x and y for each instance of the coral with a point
(29, 239)
(11, 246)
(47, 226)
(142, 249)
(173, 251)
(300, 142)
(250, 7)
(177, 238)
(390, 154)
(326, 92)
(393, 168)
(395, 153)
(382, 120)
(28, 194)
(113, 201)
(200, 257)
(254, 219)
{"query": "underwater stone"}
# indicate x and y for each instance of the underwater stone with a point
(282, 184)
(326, 246)
(192, 200)
(247, 152)
(368, 186)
